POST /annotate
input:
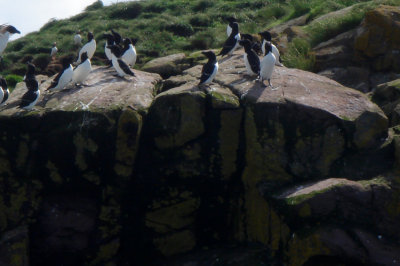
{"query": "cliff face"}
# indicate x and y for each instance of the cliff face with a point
(114, 173)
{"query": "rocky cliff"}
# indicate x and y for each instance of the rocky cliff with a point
(146, 171)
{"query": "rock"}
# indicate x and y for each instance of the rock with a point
(378, 38)
(352, 77)
(300, 21)
(336, 53)
(167, 66)
(14, 247)
(387, 96)
(79, 143)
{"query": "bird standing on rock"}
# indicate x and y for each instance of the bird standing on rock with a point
(4, 92)
(54, 50)
(267, 64)
(110, 41)
(266, 35)
(82, 71)
(89, 48)
(30, 98)
(210, 69)
(231, 20)
(5, 32)
(129, 51)
(64, 76)
(119, 65)
(251, 59)
(232, 42)
(78, 38)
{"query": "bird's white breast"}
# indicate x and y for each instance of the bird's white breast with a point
(267, 66)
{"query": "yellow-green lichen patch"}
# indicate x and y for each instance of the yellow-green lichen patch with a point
(305, 211)
(172, 216)
(175, 243)
(82, 145)
(92, 177)
(54, 174)
(128, 132)
(106, 253)
(109, 216)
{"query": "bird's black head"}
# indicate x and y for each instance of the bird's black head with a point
(266, 35)
(90, 36)
(66, 61)
(210, 55)
(127, 41)
(134, 41)
(3, 83)
(117, 36)
(268, 48)
(235, 28)
(231, 19)
(110, 38)
(84, 56)
(12, 29)
(245, 43)
(31, 69)
(115, 49)
(245, 36)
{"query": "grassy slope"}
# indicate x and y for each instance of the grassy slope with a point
(167, 27)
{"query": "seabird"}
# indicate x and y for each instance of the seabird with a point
(266, 35)
(267, 64)
(4, 92)
(256, 45)
(30, 98)
(5, 32)
(89, 48)
(78, 38)
(251, 60)
(129, 51)
(119, 65)
(231, 20)
(110, 41)
(81, 71)
(117, 37)
(232, 42)
(210, 69)
(54, 50)
(64, 76)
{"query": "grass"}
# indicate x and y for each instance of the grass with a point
(167, 27)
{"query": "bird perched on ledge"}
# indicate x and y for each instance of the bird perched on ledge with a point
(232, 42)
(5, 32)
(210, 69)
(4, 92)
(119, 65)
(30, 98)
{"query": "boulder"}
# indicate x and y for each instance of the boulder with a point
(65, 164)
(387, 96)
(378, 40)
(167, 66)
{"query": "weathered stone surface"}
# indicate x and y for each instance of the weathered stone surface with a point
(352, 77)
(167, 66)
(77, 144)
(378, 39)
(387, 96)
(14, 247)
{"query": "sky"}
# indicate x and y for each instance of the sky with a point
(31, 15)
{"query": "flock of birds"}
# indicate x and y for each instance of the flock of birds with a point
(121, 54)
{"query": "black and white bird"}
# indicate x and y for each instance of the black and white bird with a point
(30, 98)
(53, 50)
(256, 45)
(267, 64)
(5, 32)
(129, 51)
(230, 20)
(64, 76)
(4, 92)
(82, 71)
(109, 41)
(89, 48)
(78, 38)
(266, 35)
(120, 65)
(117, 37)
(210, 68)
(232, 42)
(251, 59)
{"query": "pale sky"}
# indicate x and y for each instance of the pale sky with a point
(31, 15)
